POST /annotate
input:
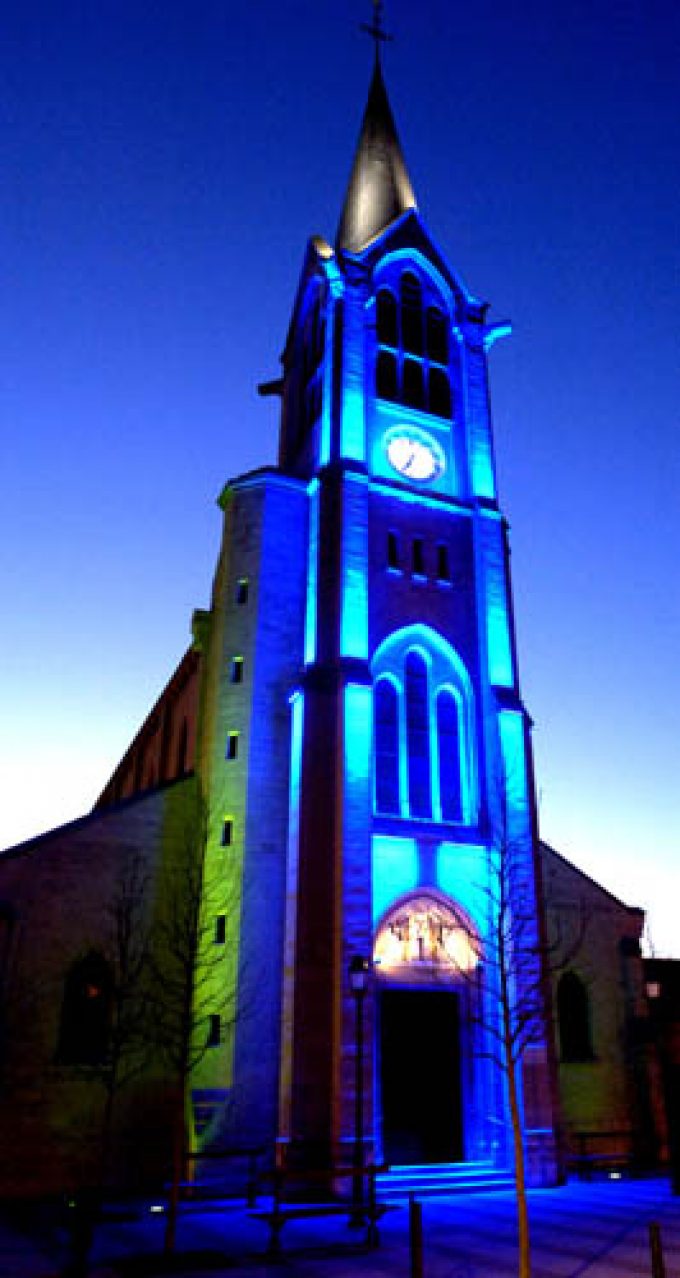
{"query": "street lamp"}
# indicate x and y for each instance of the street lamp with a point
(359, 969)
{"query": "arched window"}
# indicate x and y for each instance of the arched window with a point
(86, 1012)
(386, 747)
(413, 389)
(387, 318)
(439, 392)
(411, 314)
(425, 757)
(412, 361)
(448, 741)
(386, 375)
(437, 339)
(573, 1017)
(418, 736)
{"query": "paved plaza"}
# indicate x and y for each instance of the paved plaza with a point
(579, 1231)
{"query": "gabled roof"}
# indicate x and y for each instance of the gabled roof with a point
(379, 188)
(548, 851)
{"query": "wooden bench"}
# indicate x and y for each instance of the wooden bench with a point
(600, 1151)
(285, 1179)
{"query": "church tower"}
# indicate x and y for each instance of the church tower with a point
(365, 749)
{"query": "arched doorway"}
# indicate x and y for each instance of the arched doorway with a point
(426, 953)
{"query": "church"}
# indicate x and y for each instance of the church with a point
(378, 912)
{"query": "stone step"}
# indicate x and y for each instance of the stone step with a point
(442, 1178)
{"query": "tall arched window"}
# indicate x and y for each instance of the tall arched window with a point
(412, 361)
(418, 736)
(573, 1017)
(448, 741)
(86, 1012)
(386, 747)
(411, 313)
(425, 756)
(387, 318)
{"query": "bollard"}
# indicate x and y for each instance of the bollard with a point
(415, 1231)
(658, 1267)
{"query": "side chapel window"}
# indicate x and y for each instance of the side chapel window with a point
(573, 1017)
(86, 1012)
(412, 364)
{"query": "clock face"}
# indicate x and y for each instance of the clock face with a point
(414, 453)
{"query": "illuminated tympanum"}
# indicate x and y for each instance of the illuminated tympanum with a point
(424, 933)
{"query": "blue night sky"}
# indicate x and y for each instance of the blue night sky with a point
(164, 164)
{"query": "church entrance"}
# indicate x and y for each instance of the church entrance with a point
(420, 1076)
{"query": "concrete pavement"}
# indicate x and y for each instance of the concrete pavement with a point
(578, 1231)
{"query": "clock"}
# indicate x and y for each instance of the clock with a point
(414, 454)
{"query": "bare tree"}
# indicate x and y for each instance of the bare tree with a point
(510, 978)
(126, 948)
(191, 1000)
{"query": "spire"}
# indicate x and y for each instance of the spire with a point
(379, 186)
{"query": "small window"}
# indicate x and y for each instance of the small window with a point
(227, 832)
(443, 570)
(220, 929)
(386, 375)
(412, 330)
(439, 391)
(242, 586)
(418, 558)
(232, 745)
(437, 345)
(411, 314)
(387, 318)
(214, 1031)
(237, 670)
(392, 550)
(413, 390)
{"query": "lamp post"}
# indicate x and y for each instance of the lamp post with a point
(358, 983)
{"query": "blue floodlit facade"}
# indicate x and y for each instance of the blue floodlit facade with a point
(383, 741)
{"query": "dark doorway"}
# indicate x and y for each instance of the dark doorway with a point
(420, 1076)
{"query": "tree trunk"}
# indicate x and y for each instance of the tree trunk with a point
(520, 1181)
(178, 1166)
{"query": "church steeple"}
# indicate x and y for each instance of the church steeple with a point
(379, 188)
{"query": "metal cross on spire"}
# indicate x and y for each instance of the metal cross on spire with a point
(376, 30)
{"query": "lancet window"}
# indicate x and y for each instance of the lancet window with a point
(573, 1015)
(424, 730)
(412, 363)
(86, 1012)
